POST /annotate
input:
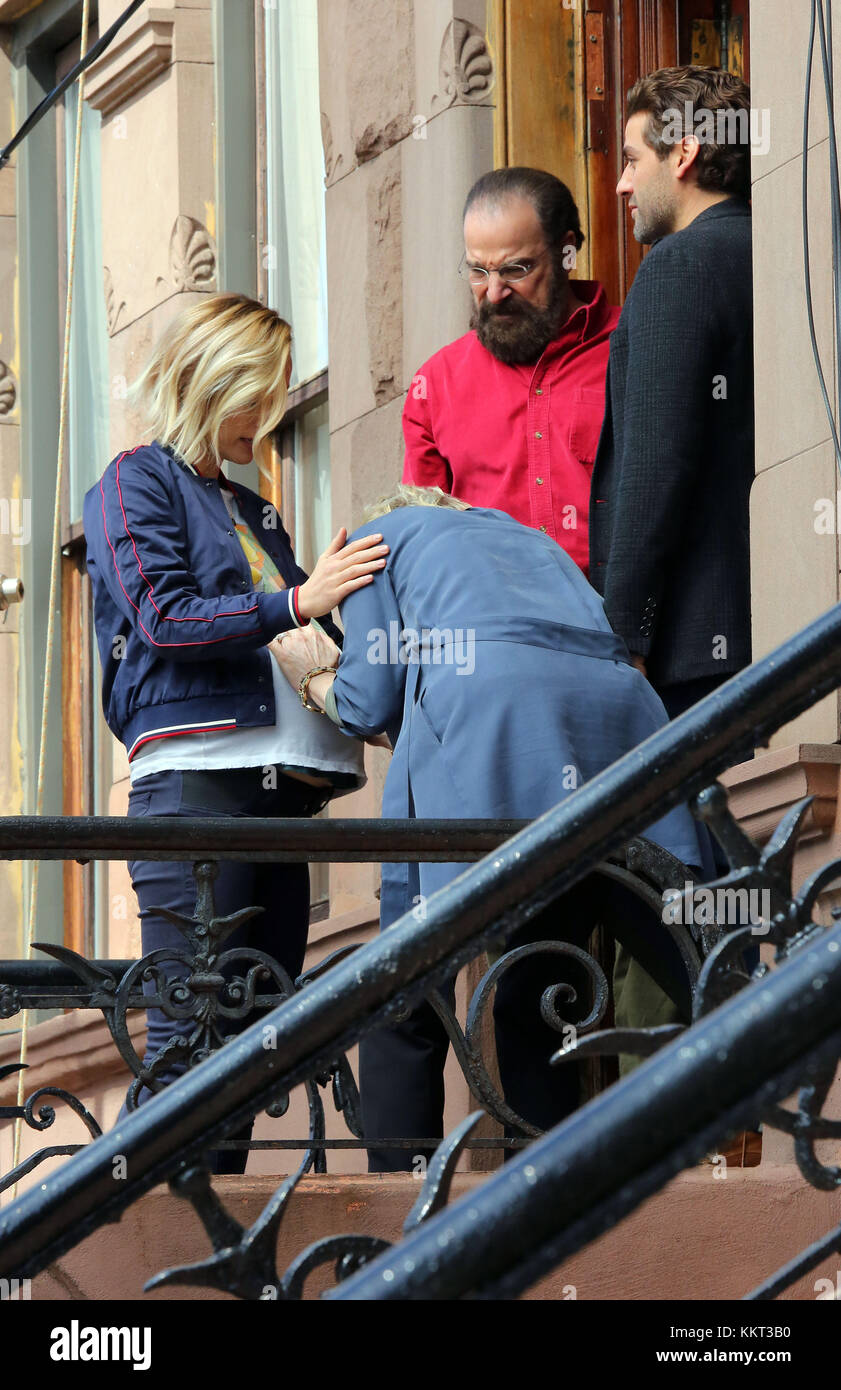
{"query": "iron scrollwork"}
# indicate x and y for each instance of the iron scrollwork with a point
(44, 1119)
(244, 1261)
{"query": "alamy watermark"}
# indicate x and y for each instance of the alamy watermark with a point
(13, 1290)
(431, 646)
(727, 126)
(79, 1342)
(728, 907)
(16, 519)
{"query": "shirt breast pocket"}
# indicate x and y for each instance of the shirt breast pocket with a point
(585, 425)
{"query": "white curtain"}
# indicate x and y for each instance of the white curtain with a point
(88, 433)
(89, 385)
(296, 257)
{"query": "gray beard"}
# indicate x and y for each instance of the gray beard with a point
(520, 334)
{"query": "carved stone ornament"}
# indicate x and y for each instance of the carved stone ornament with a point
(332, 162)
(113, 310)
(466, 71)
(8, 390)
(192, 255)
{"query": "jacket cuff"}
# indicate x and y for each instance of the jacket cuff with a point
(636, 625)
(330, 707)
(638, 646)
(294, 607)
(274, 613)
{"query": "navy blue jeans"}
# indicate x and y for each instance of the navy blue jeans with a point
(282, 890)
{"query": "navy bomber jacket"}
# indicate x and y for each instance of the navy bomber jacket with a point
(181, 631)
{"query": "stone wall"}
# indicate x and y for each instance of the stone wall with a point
(795, 566)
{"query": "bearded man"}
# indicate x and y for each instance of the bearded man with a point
(509, 415)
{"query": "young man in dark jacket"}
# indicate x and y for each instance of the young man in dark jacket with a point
(669, 522)
(669, 545)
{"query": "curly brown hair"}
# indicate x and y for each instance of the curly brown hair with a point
(723, 163)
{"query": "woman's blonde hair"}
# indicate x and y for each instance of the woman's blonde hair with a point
(225, 355)
(406, 495)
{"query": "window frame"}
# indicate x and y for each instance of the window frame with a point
(307, 396)
(79, 684)
(36, 43)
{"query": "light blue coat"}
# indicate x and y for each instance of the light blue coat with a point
(485, 655)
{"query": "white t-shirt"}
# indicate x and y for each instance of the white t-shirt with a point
(299, 737)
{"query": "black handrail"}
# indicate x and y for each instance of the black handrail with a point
(493, 896)
(252, 839)
(588, 1173)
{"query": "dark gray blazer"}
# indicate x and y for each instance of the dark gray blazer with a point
(669, 528)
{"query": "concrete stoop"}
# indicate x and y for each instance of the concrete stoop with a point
(702, 1237)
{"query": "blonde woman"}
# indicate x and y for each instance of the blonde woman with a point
(193, 575)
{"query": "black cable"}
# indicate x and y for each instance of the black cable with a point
(836, 258)
(805, 216)
(44, 106)
(835, 184)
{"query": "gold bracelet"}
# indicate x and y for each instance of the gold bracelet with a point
(304, 687)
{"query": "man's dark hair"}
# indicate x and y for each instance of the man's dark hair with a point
(722, 165)
(551, 200)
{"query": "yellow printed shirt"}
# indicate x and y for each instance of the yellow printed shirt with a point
(264, 571)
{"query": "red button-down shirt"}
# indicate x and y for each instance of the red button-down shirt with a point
(519, 438)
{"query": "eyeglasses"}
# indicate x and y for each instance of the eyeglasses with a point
(508, 274)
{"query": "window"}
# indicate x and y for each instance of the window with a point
(293, 280)
(294, 263)
(295, 254)
(87, 778)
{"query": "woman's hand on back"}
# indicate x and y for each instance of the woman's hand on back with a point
(341, 569)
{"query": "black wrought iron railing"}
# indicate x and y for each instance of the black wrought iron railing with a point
(207, 989)
(753, 1041)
